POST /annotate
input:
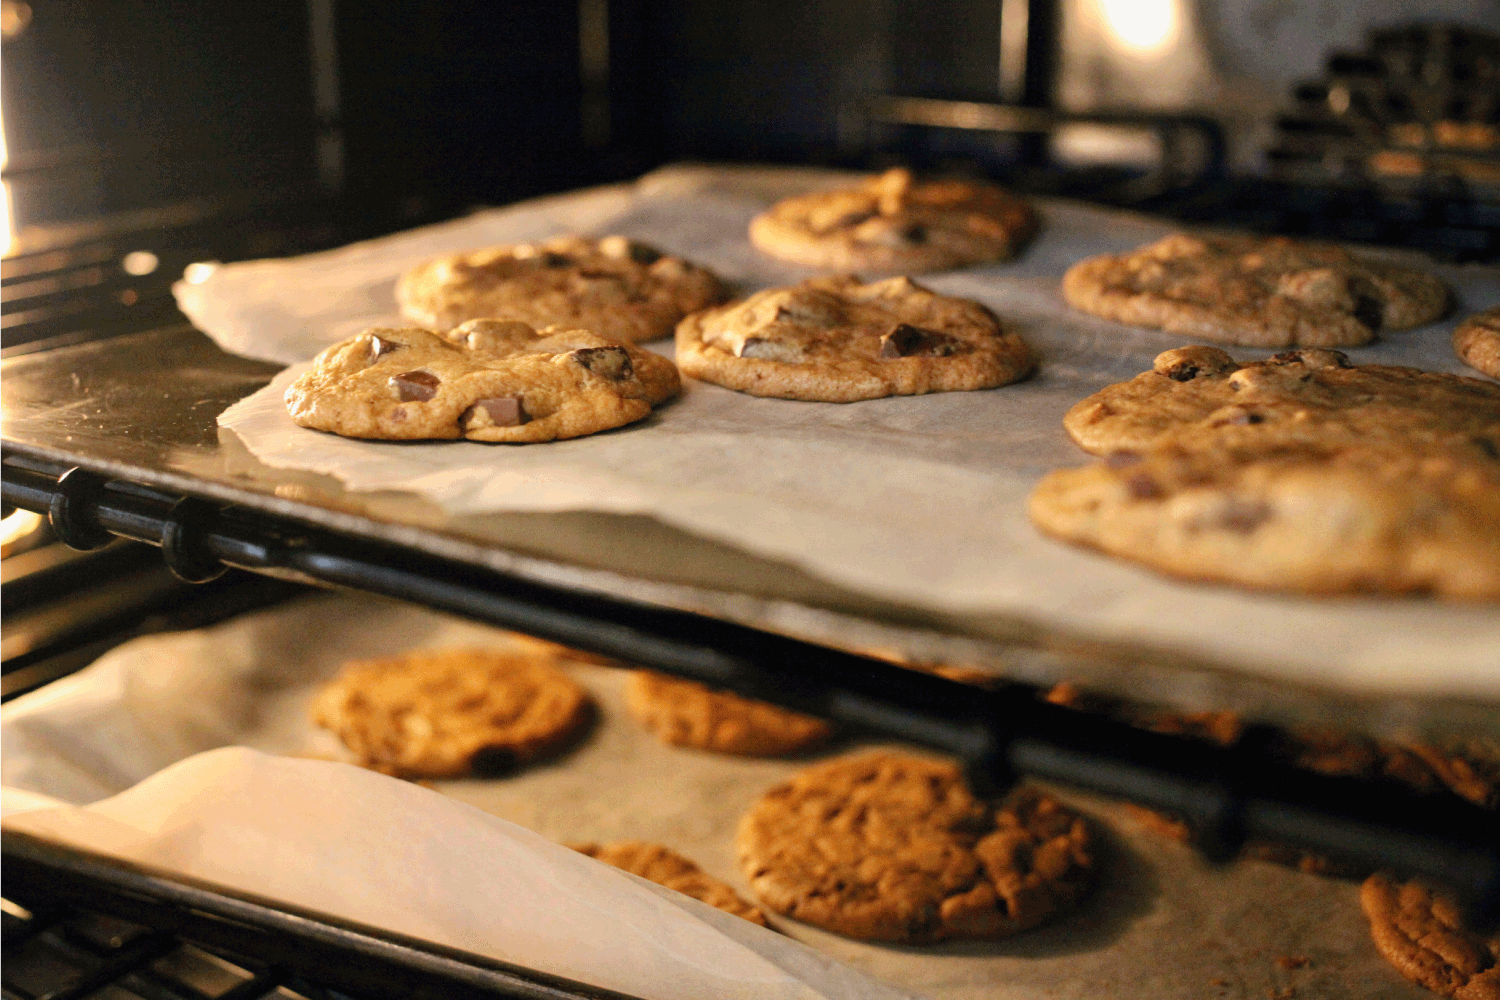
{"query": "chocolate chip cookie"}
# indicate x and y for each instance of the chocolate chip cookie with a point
(891, 847)
(615, 287)
(488, 380)
(683, 713)
(1424, 937)
(894, 222)
(1201, 397)
(838, 340)
(449, 713)
(1257, 291)
(1477, 342)
(665, 866)
(1303, 519)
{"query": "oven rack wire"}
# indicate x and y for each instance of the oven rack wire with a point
(1227, 796)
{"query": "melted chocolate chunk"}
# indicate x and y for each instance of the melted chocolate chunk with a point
(380, 346)
(907, 341)
(495, 411)
(1369, 313)
(766, 349)
(417, 386)
(1182, 372)
(916, 233)
(612, 363)
(1142, 487)
(1239, 417)
(1317, 357)
(550, 258)
(642, 254)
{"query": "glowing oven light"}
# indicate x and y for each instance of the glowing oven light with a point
(1142, 27)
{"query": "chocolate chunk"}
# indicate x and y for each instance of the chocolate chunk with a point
(1236, 416)
(916, 233)
(1489, 447)
(642, 254)
(607, 362)
(1182, 372)
(381, 346)
(906, 341)
(766, 349)
(417, 386)
(495, 411)
(1312, 357)
(621, 248)
(1142, 487)
(1369, 312)
(549, 258)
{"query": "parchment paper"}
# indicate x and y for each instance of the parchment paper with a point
(1160, 925)
(914, 499)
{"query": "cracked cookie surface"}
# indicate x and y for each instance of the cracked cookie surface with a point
(894, 222)
(1256, 291)
(491, 381)
(839, 340)
(684, 713)
(892, 847)
(448, 713)
(1302, 473)
(1424, 937)
(666, 867)
(1477, 342)
(615, 287)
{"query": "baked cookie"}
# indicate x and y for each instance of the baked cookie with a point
(1424, 937)
(1200, 397)
(1254, 290)
(1315, 520)
(686, 714)
(447, 713)
(890, 847)
(665, 866)
(615, 287)
(1477, 342)
(838, 340)
(896, 223)
(491, 381)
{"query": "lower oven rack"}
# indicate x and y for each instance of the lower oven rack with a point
(1226, 795)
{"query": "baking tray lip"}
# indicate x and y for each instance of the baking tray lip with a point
(199, 898)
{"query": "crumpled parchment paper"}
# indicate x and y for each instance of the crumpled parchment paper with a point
(139, 730)
(914, 499)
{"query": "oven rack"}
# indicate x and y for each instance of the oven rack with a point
(1226, 795)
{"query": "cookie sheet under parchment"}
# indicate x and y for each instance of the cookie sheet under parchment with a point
(914, 499)
(1161, 924)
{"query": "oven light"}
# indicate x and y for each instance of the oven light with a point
(139, 263)
(1142, 27)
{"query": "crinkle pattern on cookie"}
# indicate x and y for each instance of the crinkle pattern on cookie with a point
(447, 713)
(489, 381)
(665, 866)
(1424, 937)
(890, 847)
(1257, 291)
(616, 287)
(896, 223)
(1477, 342)
(838, 340)
(1203, 397)
(684, 713)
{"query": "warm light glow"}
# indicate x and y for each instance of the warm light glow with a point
(10, 221)
(1143, 27)
(17, 526)
(139, 262)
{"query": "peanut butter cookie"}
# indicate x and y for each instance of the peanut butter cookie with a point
(894, 222)
(449, 713)
(890, 847)
(1257, 291)
(1424, 937)
(686, 714)
(615, 287)
(665, 866)
(1477, 342)
(838, 340)
(488, 381)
